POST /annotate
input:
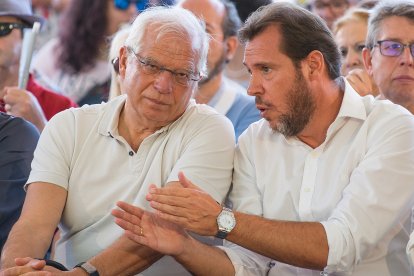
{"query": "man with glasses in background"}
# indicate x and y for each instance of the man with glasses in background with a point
(389, 53)
(329, 10)
(35, 104)
(91, 157)
(389, 58)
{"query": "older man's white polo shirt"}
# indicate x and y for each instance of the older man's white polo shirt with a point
(81, 151)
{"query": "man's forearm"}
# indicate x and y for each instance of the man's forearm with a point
(23, 243)
(124, 257)
(201, 259)
(302, 244)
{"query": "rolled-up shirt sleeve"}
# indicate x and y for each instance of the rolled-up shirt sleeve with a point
(377, 202)
(246, 262)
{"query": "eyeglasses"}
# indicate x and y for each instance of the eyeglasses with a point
(182, 77)
(391, 48)
(6, 27)
(124, 4)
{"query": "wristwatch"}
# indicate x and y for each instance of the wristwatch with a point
(225, 222)
(88, 268)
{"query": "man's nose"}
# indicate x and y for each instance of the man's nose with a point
(164, 82)
(255, 87)
(352, 59)
(406, 57)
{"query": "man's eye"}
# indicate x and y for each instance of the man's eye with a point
(266, 69)
(344, 52)
(181, 75)
(152, 66)
(360, 47)
(395, 46)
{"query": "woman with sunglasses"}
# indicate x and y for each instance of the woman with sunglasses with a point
(75, 62)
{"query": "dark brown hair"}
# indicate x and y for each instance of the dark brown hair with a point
(82, 31)
(302, 31)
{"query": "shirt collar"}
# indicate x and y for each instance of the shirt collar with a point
(110, 118)
(352, 105)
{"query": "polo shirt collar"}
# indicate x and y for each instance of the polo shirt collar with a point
(108, 126)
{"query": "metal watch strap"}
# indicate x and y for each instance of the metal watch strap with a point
(88, 268)
(222, 233)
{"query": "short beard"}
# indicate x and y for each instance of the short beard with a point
(301, 108)
(216, 70)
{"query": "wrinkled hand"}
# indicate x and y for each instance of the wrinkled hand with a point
(190, 207)
(150, 230)
(21, 103)
(33, 267)
(23, 266)
(362, 82)
(51, 271)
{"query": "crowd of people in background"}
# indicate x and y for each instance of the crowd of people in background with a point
(207, 137)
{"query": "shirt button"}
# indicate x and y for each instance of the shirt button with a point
(131, 153)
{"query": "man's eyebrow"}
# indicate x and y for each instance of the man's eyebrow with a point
(396, 40)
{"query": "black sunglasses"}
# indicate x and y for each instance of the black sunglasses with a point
(6, 27)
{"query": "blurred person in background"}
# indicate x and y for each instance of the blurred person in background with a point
(367, 4)
(329, 10)
(117, 42)
(35, 103)
(235, 69)
(226, 96)
(389, 53)
(18, 139)
(75, 63)
(51, 10)
(350, 32)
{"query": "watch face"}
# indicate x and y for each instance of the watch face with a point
(226, 220)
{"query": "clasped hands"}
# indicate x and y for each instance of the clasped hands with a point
(33, 267)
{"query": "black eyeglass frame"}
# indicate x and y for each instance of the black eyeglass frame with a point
(7, 27)
(398, 52)
(190, 76)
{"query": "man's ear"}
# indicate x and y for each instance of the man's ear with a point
(367, 58)
(314, 64)
(123, 57)
(231, 44)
